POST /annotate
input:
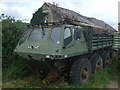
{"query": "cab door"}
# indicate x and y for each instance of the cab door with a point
(67, 37)
(74, 41)
(68, 40)
(80, 46)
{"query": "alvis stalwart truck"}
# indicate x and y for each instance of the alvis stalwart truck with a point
(74, 45)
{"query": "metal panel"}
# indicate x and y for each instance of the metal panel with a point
(116, 45)
(101, 40)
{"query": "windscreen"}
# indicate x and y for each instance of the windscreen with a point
(55, 36)
(39, 34)
(42, 34)
(24, 37)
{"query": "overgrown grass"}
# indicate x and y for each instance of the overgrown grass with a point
(103, 77)
(20, 78)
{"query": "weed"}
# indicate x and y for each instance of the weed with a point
(99, 79)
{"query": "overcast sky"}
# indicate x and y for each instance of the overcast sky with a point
(106, 10)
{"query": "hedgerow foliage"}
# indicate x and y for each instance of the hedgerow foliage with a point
(13, 65)
(11, 32)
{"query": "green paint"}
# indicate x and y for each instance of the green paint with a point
(75, 47)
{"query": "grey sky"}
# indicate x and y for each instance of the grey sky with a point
(106, 10)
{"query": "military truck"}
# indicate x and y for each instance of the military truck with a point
(75, 45)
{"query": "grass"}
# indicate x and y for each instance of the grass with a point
(99, 79)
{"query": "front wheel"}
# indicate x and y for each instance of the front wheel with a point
(80, 72)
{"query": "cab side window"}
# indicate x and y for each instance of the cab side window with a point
(67, 36)
(77, 33)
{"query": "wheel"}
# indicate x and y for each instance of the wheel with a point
(63, 69)
(80, 72)
(96, 63)
(38, 67)
(106, 59)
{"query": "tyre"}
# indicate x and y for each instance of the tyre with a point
(38, 67)
(63, 69)
(80, 72)
(96, 63)
(106, 59)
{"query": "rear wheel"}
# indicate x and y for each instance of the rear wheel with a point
(96, 63)
(80, 72)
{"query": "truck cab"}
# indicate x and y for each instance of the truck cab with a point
(52, 42)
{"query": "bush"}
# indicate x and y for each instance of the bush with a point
(11, 33)
(18, 69)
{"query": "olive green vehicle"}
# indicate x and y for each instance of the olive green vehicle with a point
(74, 49)
(80, 46)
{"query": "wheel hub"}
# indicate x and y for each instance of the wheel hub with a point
(84, 73)
(99, 65)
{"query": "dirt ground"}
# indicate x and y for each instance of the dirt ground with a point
(113, 84)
